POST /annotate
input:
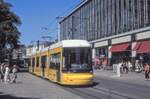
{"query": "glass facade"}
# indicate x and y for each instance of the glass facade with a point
(96, 19)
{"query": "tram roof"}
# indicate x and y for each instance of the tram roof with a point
(45, 49)
(71, 43)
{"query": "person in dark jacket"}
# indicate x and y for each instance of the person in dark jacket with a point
(2, 71)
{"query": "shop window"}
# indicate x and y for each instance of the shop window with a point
(102, 52)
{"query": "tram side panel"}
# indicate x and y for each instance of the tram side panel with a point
(77, 79)
(36, 65)
(47, 65)
(55, 69)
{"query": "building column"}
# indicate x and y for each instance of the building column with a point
(93, 53)
(109, 56)
(133, 54)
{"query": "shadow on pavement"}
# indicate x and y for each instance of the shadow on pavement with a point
(18, 82)
(7, 96)
(1, 93)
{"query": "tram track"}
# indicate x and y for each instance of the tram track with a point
(84, 94)
(113, 92)
(98, 93)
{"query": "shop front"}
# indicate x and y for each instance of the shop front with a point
(101, 54)
(120, 53)
(142, 49)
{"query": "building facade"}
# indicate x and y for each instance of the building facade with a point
(115, 28)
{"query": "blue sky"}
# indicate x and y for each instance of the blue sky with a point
(36, 14)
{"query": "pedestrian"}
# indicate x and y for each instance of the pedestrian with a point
(118, 68)
(14, 73)
(2, 71)
(125, 68)
(7, 73)
(130, 67)
(104, 63)
(147, 70)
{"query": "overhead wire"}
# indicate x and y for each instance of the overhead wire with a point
(54, 20)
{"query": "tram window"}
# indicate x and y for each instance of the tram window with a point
(43, 61)
(33, 62)
(76, 59)
(55, 61)
(37, 61)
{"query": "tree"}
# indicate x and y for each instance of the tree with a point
(9, 34)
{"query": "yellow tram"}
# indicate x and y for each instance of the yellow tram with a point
(67, 62)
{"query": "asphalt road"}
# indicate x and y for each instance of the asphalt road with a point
(32, 87)
(111, 89)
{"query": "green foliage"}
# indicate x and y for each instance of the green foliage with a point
(9, 34)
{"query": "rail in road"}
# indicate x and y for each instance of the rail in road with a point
(97, 91)
(94, 92)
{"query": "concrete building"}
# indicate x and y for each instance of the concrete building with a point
(116, 29)
(19, 56)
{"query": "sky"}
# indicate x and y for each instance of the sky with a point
(38, 17)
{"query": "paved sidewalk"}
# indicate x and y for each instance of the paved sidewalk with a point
(131, 77)
(32, 87)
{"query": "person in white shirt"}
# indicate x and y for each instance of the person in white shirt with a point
(118, 69)
(7, 72)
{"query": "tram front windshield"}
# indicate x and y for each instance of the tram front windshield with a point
(77, 60)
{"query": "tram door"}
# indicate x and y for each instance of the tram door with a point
(33, 64)
(43, 63)
(58, 67)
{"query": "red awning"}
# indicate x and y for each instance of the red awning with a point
(144, 47)
(137, 46)
(119, 48)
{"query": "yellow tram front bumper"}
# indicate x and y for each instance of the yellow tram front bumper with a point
(77, 79)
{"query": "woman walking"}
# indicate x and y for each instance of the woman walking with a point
(14, 73)
(147, 70)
